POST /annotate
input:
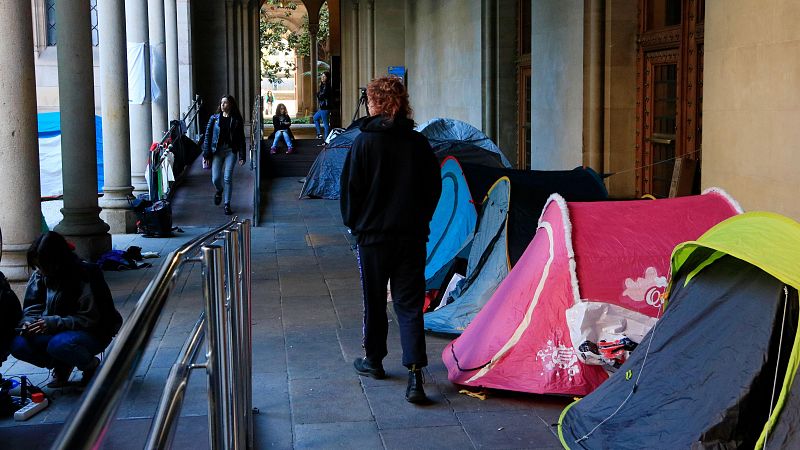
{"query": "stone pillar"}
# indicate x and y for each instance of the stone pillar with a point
(370, 40)
(173, 79)
(489, 39)
(20, 203)
(594, 83)
(116, 129)
(81, 224)
(355, 53)
(313, 29)
(230, 48)
(158, 67)
(139, 103)
(299, 86)
(245, 103)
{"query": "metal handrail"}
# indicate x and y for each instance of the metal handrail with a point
(102, 398)
(193, 110)
(256, 136)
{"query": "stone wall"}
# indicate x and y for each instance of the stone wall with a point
(751, 103)
(443, 57)
(557, 84)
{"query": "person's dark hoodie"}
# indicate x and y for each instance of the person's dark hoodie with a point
(390, 184)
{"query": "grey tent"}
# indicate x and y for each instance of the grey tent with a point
(323, 178)
(448, 137)
(718, 369)
(441, 132)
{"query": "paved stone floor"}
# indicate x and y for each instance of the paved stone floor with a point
(306, 332)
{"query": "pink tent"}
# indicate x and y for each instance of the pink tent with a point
(592, 274)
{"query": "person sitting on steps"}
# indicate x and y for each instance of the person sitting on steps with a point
(68, 312)
(281, 121)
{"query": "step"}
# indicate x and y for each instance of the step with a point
(295, 165)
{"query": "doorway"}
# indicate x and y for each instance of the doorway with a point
(669, 92)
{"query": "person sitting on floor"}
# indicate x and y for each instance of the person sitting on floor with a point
(68, 312)
(281, 121)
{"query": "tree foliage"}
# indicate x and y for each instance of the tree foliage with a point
(277, 39)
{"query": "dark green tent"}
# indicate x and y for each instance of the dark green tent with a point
(718, 369)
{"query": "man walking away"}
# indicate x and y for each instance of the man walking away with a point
(390, 186)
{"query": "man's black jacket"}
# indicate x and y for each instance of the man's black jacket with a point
(391, 182)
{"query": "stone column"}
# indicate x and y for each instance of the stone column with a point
(81, 224)
(244, 68)
(594, 83)
(489, 38)
(313, 29)
(299, 86)
(158, 67)
(116, 129)
(20, 202)
(140, 107)
(173, 78)
(230, 49)
(370, 40)
(355, 53)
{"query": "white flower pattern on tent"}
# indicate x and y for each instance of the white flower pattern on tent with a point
(647, 289)
(558, 356)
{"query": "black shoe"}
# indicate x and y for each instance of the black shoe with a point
(368, 369)
(218, 198)
(415, 393)
(60, 377)
(227, 209)
(89, 371)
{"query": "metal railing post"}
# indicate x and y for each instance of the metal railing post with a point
(162, 429)
(232, 269)
(245, 326)
(216, 330)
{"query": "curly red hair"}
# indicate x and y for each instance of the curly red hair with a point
(389, 97)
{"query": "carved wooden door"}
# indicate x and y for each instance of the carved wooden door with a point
(669, 90)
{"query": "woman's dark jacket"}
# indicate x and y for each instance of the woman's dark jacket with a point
(281, 123)
(82, 301)
(390, 184)
(235, 139)
(324, 96)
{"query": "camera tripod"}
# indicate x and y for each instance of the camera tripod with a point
(362, 101)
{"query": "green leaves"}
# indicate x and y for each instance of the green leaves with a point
(277, 39)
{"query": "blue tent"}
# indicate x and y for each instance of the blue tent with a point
(453, 222)
(49, 126)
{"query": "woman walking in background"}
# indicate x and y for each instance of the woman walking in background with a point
(270, 99)
(224, 142)
(281, 121)
(324, 99)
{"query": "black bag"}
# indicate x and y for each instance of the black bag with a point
(156, 220)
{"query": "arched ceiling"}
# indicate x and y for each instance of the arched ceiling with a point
(312, 6)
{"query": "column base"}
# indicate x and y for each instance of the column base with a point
(83, 227)
(119, 220)
(15, 265)
(90, 247)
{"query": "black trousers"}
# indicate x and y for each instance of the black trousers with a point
(402, 262)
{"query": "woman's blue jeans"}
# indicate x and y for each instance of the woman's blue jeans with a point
(282, 134)
(223, 159)
(65, 349)
(322, 114)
